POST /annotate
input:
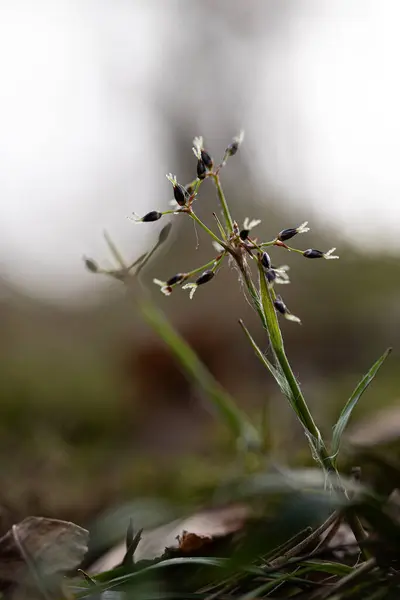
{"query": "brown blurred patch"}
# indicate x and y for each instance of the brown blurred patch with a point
(171, 412)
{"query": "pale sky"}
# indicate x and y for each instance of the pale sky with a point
(82, 145)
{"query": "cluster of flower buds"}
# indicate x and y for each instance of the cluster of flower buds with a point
(237, 237)
(204, 161)
(274, 274)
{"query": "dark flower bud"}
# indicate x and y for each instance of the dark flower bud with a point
(205, 277)
(265, 260)
(201, 169)
(270, 275)
(312, 253)
(244, 234)
(91, 265)
(280, 306)
(286, 234)
(232, 148)
(164, 233)
(154, 215)
(207, 160)
(180, 194)
(189, 189)
(178, 278)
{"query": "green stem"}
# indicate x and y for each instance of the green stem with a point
(206, 229)
(302, 410)
(212, 263)
(297, 399)
(224, 204)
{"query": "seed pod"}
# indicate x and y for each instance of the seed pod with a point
(205, 277)
(207, 160)
(91, 265)
(201, 169)
(312, 253)
(244, 234)
(280, 306)
(180, 194)
(286, 234)
(178, 278)
(265, 260)
(154, 215)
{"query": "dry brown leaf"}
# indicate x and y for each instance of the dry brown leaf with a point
(191, 542)
(42, 546)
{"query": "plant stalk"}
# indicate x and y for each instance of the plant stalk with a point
(224, 204)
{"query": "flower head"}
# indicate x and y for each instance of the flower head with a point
(165, 289)
(312, 253)
(234, 146)
(180, 193)
(175, 279)
(204, 278)
(248, 225)
(153, 215)
(265, 260)
(286, 234)
(201, 169)
(281, 307)
(166, 286)
(207, 160)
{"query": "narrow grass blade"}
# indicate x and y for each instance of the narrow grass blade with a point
(344, 417)
(127, 578)
(199, 374)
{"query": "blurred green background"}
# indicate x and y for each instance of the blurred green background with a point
(93, 409)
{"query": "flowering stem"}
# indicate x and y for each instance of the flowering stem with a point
(265, 244)
(224, 205)
(296, 397)
(206, 229)
(212, 264)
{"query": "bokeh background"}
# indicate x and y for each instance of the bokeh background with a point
(99, 99)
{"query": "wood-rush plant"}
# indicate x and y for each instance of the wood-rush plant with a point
(237, 243)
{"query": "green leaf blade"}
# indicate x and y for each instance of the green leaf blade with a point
(219, 398)
(345, 415)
